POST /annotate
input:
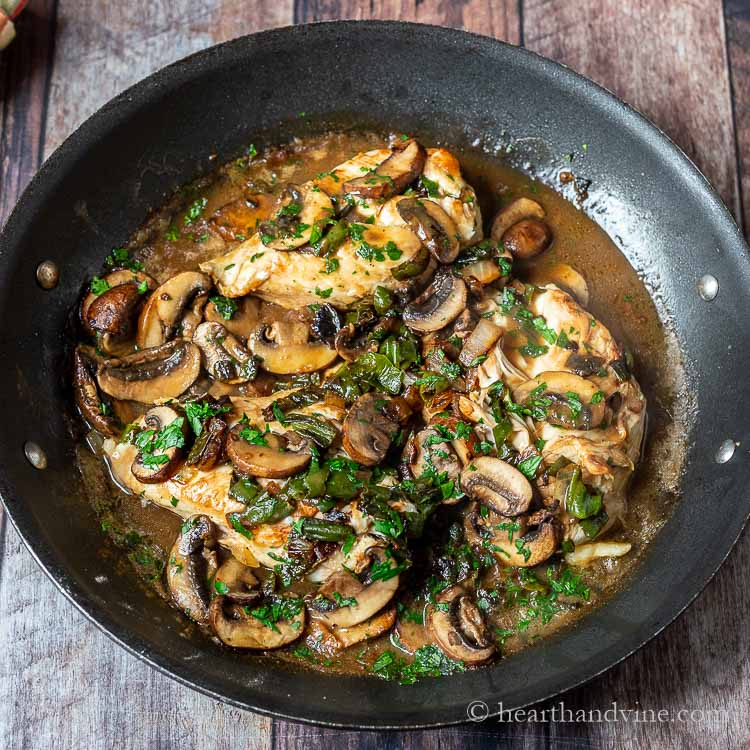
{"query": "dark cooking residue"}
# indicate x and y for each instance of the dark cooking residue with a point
(411, 462)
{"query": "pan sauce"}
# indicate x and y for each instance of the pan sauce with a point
(617, 297)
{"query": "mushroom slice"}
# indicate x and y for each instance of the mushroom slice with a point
(515, 211)
(484, 336)
(498, 485)
(238, 581)
(563, 276)
(209, 445)
(345, 600)
(432, 452)
(527, 238)
(151, 375)
(368, 431)
(299, 211)
(178, 302)
(434, 227)
(113, 311)
(568, 400)
(268, 455)
(372, 628)
(163, 460)
(392, 176)
(283, 352)
(113, 280)
(524, 542)
(458, 627)
(93, 409)
(350, 347)
(442, 302)
(224, 357)
(270, 625)
(244, 315)
(192, 563)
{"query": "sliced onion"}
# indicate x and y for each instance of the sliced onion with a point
(479, 342)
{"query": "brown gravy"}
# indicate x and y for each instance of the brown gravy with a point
(617, 296)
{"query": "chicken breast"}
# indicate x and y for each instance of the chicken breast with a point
(296, 277)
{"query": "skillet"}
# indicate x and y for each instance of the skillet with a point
(100, 184)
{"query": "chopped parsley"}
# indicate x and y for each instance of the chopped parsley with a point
(225, 306)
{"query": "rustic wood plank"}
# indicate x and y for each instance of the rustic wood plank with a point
(498, 18)
(24, 88)
(667, 59)
(738, 48)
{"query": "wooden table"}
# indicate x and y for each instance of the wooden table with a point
(686, 65)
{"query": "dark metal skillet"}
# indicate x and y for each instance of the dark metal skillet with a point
(98, 187)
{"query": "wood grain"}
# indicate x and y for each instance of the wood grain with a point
(62, 683)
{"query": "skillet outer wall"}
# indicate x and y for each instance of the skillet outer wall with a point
(127, 158)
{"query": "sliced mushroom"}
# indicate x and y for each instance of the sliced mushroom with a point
(392, 176)
(434, 453)
(225, 359)
(326, 323)
(151, 375)
(115, 279)
(192, 563)
(458, 627)
(174, 307)
(244, 626)
(283, 351)
(568, 400)
(515, 211)
(484, 336)
(209, 445)
(368, 431)
(299, 211)
(497, 485)
(93, 409)
(162, 463)
(272, 456)
(442, 302)
(527, 238)
(522, 542)
(350, 347)
(565, 277)
(350, 600)
(238, 581)
(330, 642)
(113, 311)
(434, 227)
(242, 322)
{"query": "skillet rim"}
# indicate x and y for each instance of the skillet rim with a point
(97, 123)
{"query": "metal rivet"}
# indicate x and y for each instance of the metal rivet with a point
(35, 455)
(708, 287)
(725, 452)
(48, 274)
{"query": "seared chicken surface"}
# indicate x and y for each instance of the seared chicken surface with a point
(359, 369)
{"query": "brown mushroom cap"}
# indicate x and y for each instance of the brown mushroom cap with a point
(368, 432)
(458, 627)
(497, 485)
(284, 350)
(392, 176)
(362, 599)
(151, 375)
(522, 542)
(277, 456)
(433, 452)
(224, 358)
(151, 472)
(586, 414)
(240, 629)
(113, 311)
(515, 211)
(244, 320)
(114, 279)
(89, 399)
(434, 227)
(209, 445)
(178, 302)
(238, 581)
(441, 303)
(527, 238)
(192, 563)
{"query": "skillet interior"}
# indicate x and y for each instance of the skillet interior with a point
(158, 135)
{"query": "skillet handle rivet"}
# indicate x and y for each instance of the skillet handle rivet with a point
(708, 287)
(35, 455)
(725, 451)
(47, 274)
